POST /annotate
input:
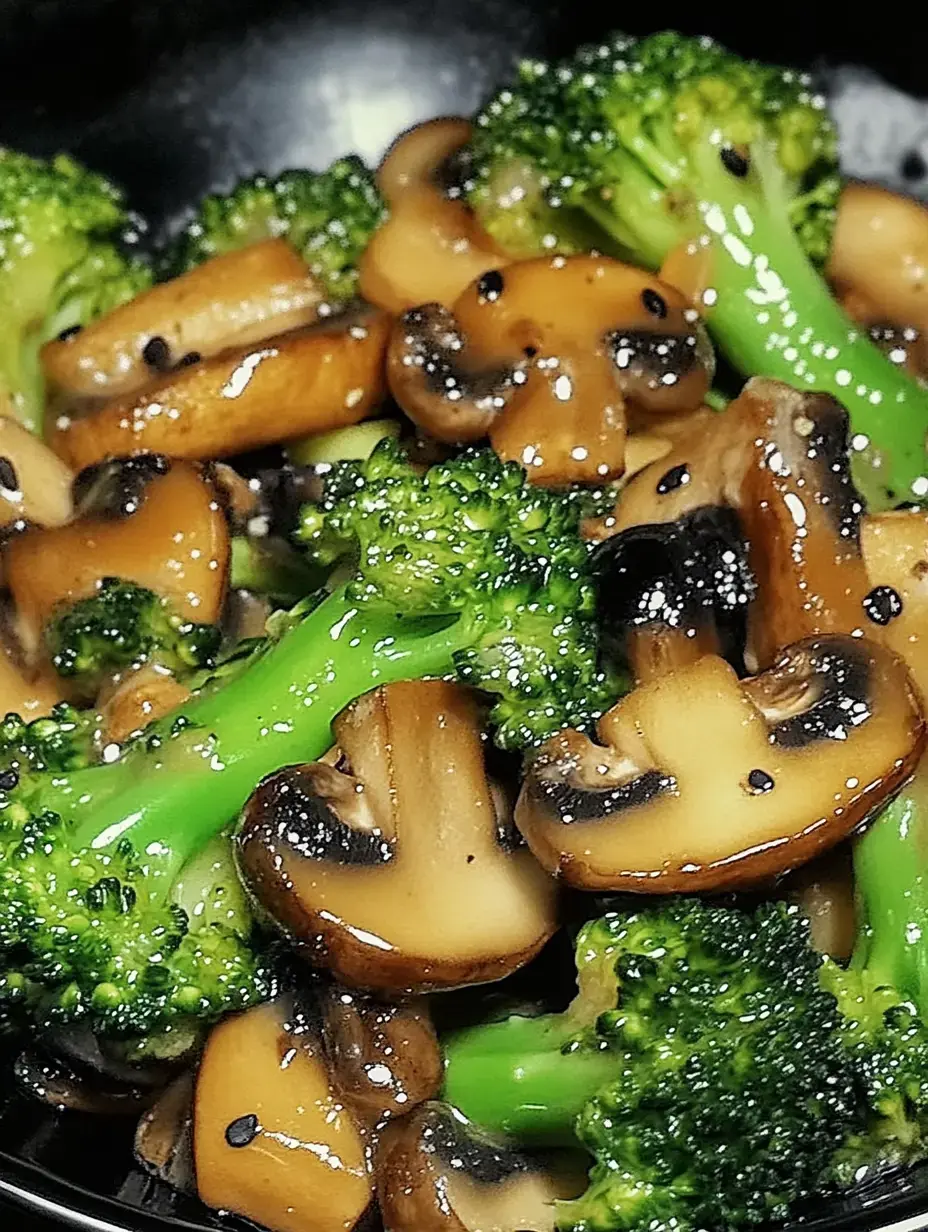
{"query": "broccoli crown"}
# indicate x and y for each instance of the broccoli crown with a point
(63, 261)
(96, 936)
(472, 539)
(627, 132)
(328, 216)
(124, 625)
(63, 740)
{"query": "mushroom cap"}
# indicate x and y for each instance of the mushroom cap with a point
(394, 868)
(704, 782)
(436, 1172)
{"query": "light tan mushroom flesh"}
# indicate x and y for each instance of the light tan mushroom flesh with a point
(309, 380)
(273, 1141)
(895, 551)
(35, 485)
(824, 891)
(394, 869)
(436, 1172)
(233, 300)
(700, 781)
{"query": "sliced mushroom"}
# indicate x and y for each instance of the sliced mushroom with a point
(824, 890)
(147, 520)
(436, 1172)
(702, 782)
(430, 247)
(544, 356)
(395, 869)
(384, 1057)
(164, 1137)
(672, 592)
(233, 300)
(779, 458)
(51, 1080)
(273, 1141)
(35, 485)
(308, 380)
(136, 698)
(29, 692)
(895, 551)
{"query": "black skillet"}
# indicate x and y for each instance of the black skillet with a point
(176, 97)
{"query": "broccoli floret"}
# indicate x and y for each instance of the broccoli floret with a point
(65, 739)
(328, 216)
(125, 625)
(668, 140)
(63, 262)
(717, 1068)
(465, 570)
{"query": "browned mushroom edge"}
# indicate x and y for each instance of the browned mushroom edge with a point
(436, 1172)
(544, 357)
(313, 379)
(779, 459)
(704, 782)
(163, 1144)
(384, 1057)
(35, 485)
(394, 867)
(273, 1139)
(430, 246)
(671, 592)
(233, 300)
(824, 890)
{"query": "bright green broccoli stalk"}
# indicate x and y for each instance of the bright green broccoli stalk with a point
(63, 262)
(124, 625)
(718, 1070)
(466, 570)
(666, 141)
(328, 216)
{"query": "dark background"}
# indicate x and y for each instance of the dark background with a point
(175, 97)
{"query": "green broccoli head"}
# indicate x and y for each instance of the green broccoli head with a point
(65, 739)
(63, 261)
(328, 216)
(124, 625)
(472, 540)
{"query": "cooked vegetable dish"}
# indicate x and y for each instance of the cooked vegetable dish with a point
(465, 658)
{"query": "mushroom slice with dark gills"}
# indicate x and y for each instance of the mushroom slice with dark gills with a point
(668, 593)
(704, 782)
(436, 1172)
(273, 1139)
(779, 459)
(396, 867)
(545, 357)
(895, 551)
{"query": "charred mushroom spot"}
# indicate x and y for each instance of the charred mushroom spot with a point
(490, 287)
(117, 488)
(8, 478)
(735, 162)
(657, 359)
(570, 803)
(883, 604)
(677, 477)
(453, 173)
(654, 303)
(435, 345)
(157, 354)
(760, 782)
(243, 1130)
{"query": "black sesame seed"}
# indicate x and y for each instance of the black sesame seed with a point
(242, 1131)
(9, 779)
(913, 166)
(883, 604)
(157, 354)
(675, 478)
(734, 162)
(490, 286)
(188, 360)
(8, 478)
(471, 859)
(654, 303)
(530, 352)
(71, 332)
(760, 781)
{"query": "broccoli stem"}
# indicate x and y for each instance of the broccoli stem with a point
(891, 885)
(185, 780)
(515, 1077)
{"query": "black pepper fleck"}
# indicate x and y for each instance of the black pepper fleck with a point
(734, 162)
(8, 479)
(157, 354)
(675, 478)
(760, 781)
(71, 332)
(883, 604)
(490, 286)
(188, 360)
(654, 303)
(530, 352)
(470, 859)
(242, 1131)
(913, 166)
(9, 779)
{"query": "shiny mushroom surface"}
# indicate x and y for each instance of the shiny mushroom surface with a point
(233, 300)
(430, 247)
(395, 867)
(544, 357)
(895, 552)
(312, 379)
(699, 781)
(35, 485)
(437, 1172)
(273, 1139)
